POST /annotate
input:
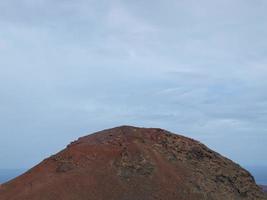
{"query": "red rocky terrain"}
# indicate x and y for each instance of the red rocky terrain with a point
(130, 163)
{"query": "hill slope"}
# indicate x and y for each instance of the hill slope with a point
(129, 163)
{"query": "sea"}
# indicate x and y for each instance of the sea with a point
(259, 173)
(8, 174)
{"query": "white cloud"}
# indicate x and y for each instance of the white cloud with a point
(193, 68)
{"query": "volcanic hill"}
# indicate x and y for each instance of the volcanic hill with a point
(130, 163)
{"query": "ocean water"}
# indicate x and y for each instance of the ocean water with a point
(259, 173)
(8, 174)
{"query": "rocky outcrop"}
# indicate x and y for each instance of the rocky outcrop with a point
(134, 164)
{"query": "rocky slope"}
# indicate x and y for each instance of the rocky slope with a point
(130, 163)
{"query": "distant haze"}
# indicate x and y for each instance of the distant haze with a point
(8, 174)
(68, 68)
(259, 173)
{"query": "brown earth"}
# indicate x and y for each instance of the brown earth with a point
(130, 163)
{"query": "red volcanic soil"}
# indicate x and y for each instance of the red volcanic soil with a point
(130, 163)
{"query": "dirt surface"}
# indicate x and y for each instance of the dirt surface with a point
(130, 163)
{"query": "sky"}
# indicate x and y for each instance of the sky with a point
(69, 68)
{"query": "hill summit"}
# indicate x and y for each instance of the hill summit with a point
(130, 163)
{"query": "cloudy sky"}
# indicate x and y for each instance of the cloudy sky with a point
(69, 68)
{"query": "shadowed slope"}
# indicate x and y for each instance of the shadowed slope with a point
(129, 163)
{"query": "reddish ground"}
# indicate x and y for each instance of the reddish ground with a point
(130, 163)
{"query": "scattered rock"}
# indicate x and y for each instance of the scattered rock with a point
(134, 164)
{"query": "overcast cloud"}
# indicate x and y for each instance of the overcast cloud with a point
(68, 68)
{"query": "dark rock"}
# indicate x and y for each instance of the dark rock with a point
(134, 164)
